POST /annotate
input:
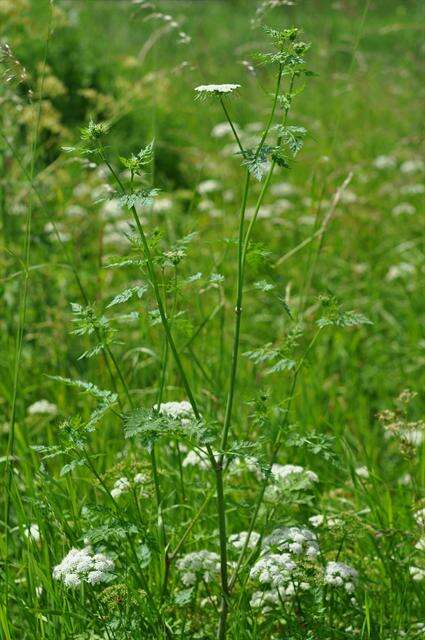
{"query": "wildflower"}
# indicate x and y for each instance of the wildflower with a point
(413, 189)
(420, 545)
(403, 208)
(274, 569)
(417, 573)
(222, 129)
(338, 574)
(32, 532)
(419, 517)
(288, 477)
(238, 540)
(199, 565)
(399, 270)
(283, 472)
(384, 162)
(121, 486)
(139, 478)
(82, 565)
(317, 521)
(162, 204)
(273, 597)
(410, 166)
(239, 465)
(282, 189)
(207, 186)
(42, 407)
(216, 89)
(177, 410)
(294, 540)
(195, 459)
(362, 472)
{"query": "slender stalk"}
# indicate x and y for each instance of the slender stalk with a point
(238, 312)
(242, 250)
(232, 126)
(275, 450)
(269, 123)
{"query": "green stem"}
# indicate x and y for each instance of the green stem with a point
(275, 450)
(269, 123)
(238, 312)
(229, 120)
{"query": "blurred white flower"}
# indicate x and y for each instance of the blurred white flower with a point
(42, 407)
(413, 189)
(419, 517)
(32, 532)
(317, 521)
(238, 540)
(284, 472)
(384, 162)
(208, 186)
(195, 459)
(417, 573)
(222, 129)
(121, 486)
(199, 565)
(399, 270)
(403, 208)
(338, 574)
(362, 472)
(410, 166)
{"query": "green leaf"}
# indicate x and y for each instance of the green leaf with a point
(292, 136)
(88, 387)
(141, 198)
(284, 364)
(125, 295)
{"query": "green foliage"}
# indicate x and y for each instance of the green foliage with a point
(334, 315)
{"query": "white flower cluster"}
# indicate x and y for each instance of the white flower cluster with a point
(239, 465)
(122, 485)
(274, 569)
(218, 89)
(280, 565)
(283, 476)
(417, 573)
(330, 521)
(284, 472)
(384, 162)
(195, 459)
(419, 516)
(198, 565)
(275, 597)
(339, 574)
(294, 540)
(42, 407)
(82, 565)
(177, 411)
(238, 540)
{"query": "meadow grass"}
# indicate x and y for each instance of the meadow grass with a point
(211, 329)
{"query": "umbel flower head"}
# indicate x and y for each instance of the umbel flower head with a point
(205, 90)
(83, 565)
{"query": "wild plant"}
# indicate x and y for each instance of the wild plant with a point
(203, 528)
(202, 436)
